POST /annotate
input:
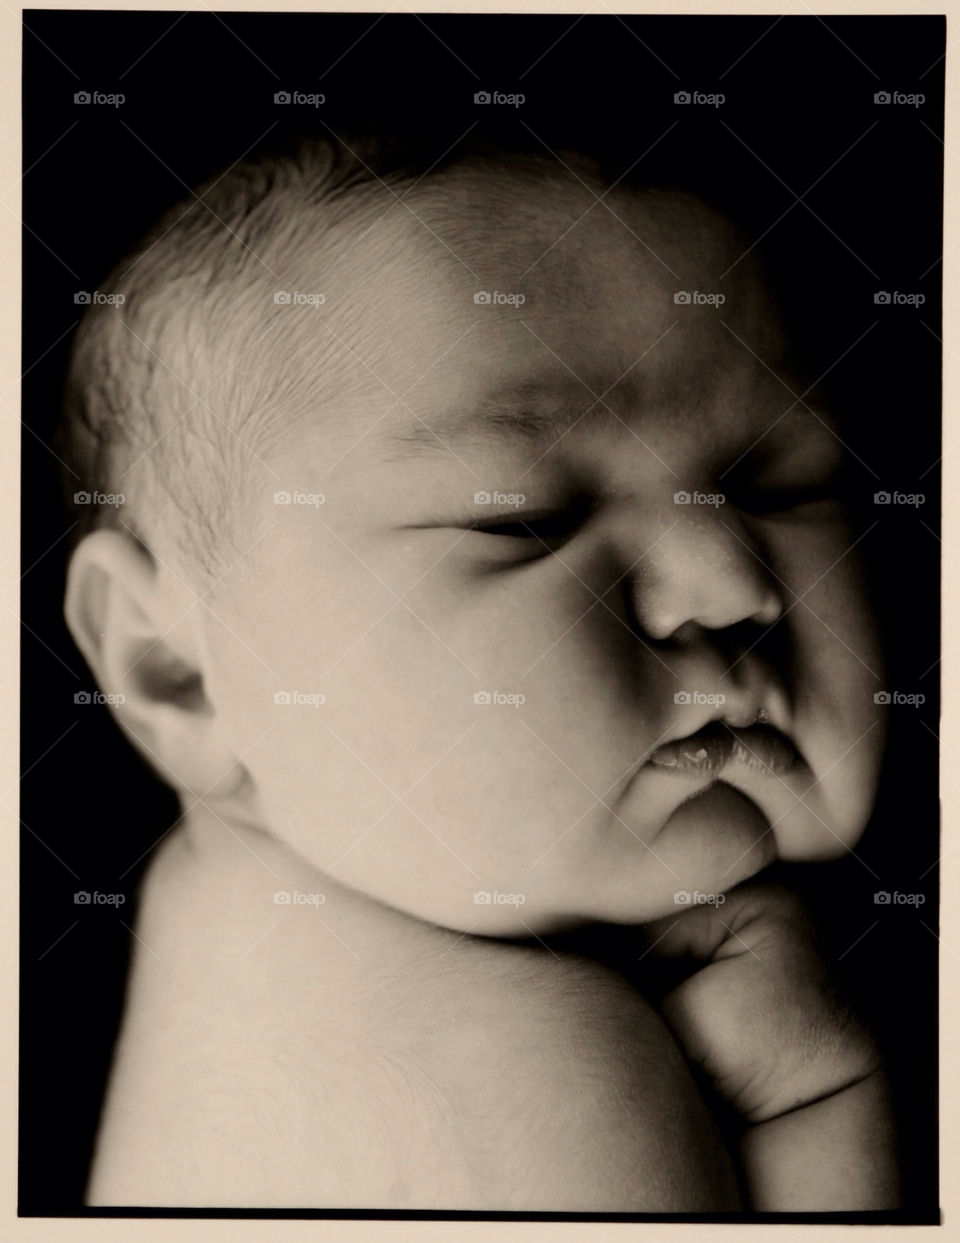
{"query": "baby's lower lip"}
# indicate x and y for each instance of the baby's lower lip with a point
(718, 746)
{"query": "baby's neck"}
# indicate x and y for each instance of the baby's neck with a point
(245, 902)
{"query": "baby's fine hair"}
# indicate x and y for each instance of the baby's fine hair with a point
(174, 388)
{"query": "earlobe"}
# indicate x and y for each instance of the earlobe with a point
(140, 634)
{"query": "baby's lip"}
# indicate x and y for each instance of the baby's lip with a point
(759, 748)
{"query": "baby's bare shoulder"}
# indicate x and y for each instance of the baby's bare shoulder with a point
(567, 1088)
(502, 1079)
(461, 1073)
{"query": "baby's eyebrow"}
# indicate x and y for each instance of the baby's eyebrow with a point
(531, 411)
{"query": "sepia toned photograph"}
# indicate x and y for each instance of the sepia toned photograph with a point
(480, 667)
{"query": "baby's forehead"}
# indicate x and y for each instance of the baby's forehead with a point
(536, 223)
(477, 282)
(530, 246)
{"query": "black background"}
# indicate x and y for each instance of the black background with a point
(799, 113)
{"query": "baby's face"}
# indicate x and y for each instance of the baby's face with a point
(496, 673)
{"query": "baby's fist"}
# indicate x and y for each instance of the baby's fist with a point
(760, 1013)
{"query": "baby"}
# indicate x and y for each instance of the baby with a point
(483, 579)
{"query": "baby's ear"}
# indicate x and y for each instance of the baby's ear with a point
(141, 634)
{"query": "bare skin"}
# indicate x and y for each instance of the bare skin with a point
(340, 1053)
(346, 1054)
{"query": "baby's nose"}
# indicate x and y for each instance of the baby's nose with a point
(705, 569)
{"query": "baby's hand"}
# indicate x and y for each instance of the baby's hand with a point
(760, 1013)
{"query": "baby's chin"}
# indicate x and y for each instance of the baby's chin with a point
(705, 847)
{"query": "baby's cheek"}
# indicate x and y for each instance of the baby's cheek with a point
(825, 593)
(834, 623)
(836, 669)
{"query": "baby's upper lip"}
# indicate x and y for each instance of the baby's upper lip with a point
(717, 745)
